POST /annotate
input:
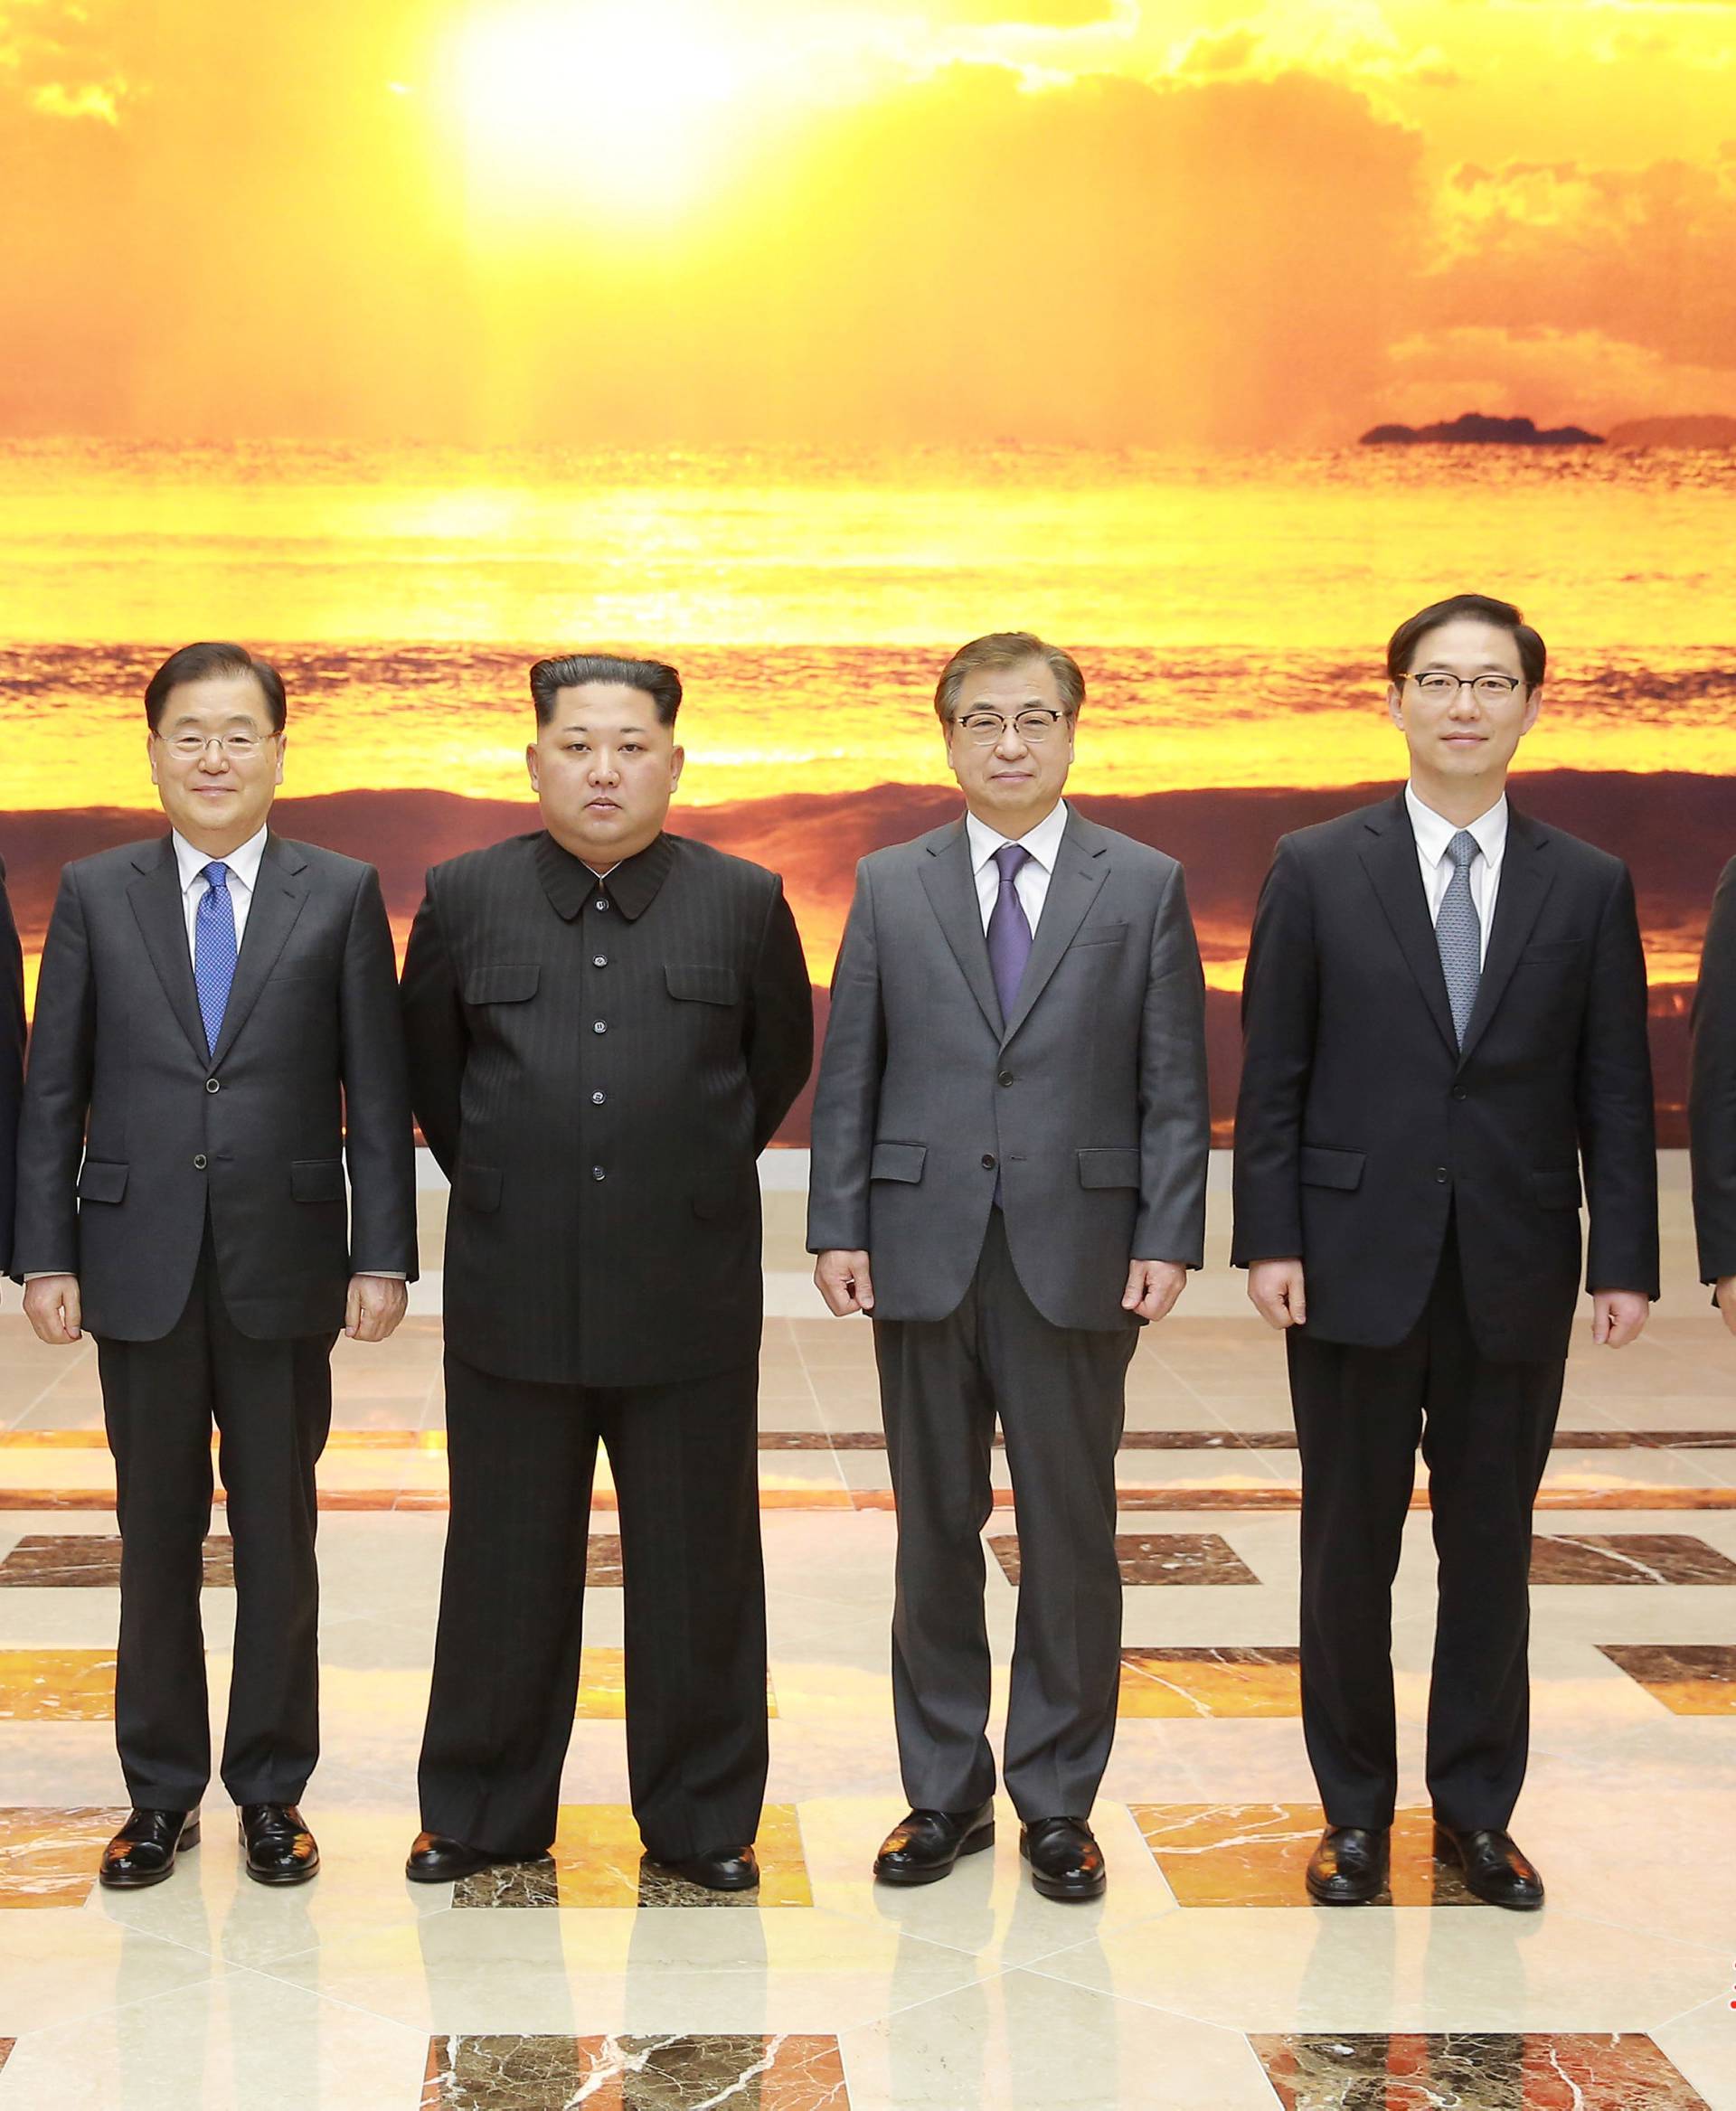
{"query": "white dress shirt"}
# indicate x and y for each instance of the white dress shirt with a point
(1434, 836)
(243, 867)
(1031, 882)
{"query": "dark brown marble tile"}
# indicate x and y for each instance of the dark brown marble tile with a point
(1198, 1682)
(1690, 1678)
(1257, 1854)
(819, 1441)
(603, 1561)
(6, 2045)
(92, 1560)
(1153, 1558)
(1599, 1558)
(1644, 1440)
(500, 2073)
(597, 1860)
(1483, 2070)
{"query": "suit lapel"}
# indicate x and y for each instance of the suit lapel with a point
(951, 889)
(156, 897)
(1527, 876)
(1081, 869)
(278, 898)
(1389, 854)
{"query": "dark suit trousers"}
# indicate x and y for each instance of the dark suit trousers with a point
(1059, 1393)
(685, 1463)
(1484, 1428)
(271, 1402)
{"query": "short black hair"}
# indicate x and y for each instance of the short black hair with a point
(657, 678)
(197, 663)
(1402, 647)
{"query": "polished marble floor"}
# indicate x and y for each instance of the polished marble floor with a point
(1203, 1981)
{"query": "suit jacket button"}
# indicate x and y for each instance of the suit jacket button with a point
(1007, 1076)
(212, 1085)
(596, 1172)
(601, 1026)
(597, 1099)
(1440, 1174)
(199, 1162)
(988, 1161)
(1460, 1092)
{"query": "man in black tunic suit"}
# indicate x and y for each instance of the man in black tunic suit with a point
(607, 1024)
(12, 1063)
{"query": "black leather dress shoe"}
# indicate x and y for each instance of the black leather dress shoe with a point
(144, 1850)
(726, 1869)
(1349, 1867)
(923, 1846)
(437, 1860)
(1066, 1861)
(1495, 1869)
(280, 1849)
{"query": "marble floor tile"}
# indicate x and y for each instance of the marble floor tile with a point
(49, 1857)
(92, 1560)
(1597, 1558)
(57, 1685)
(1152, 1558)
(1688, 1678)
(1243, 1681)
(602, 1687)
(1256, 1854)
(1481, 2070)
(759, 2073)
(597, 1860)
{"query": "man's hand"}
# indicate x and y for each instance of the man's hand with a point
(53, 1307)
(374, 1306)
(1724, 1291)
(1617, 1315)
(1279, 1291)
(1153, 1286)
(844, 1281)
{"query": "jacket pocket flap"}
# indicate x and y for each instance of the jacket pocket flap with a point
(1322, 1167)
(703, 985)
(1554, 1190)
(316, 1180)
(1101, 935)
(505, 982)
(898, 1162)
(1109, 1166)
(101, 1183)
(478, 1186)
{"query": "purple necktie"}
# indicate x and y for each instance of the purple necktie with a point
(1009, 929)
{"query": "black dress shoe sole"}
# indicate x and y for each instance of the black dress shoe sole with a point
(300, 1872)
(972, 1844)
(1330, 1892)
(142, 1881)
(450, 1871)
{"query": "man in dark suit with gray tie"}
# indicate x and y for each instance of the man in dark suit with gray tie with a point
(1010, 1142)
(12, 1064)
(216, 1031)
(1444, 1015)
(607, 1024)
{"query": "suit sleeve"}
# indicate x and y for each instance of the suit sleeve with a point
(437, 1037)
(379, 1143)
(780, 1020)
(11, 1065)
(1712, 1088)
(846, 1101)
(1174, 1101)
(1280, 1004)
(57, 1096)
(1617, 1130)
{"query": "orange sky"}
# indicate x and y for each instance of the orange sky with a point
(716, 221)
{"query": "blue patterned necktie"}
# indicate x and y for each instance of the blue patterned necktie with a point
(1009, 929)
(1459, 935)
(213, 949)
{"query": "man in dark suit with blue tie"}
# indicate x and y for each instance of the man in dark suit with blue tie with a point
(216, 1031)
(12, 1063)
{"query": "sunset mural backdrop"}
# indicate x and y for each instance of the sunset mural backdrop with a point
(798, 343)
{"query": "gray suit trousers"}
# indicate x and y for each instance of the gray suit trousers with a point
(1060, 1396)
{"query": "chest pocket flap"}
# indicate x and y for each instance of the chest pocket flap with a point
(703, 985)
(502, 983)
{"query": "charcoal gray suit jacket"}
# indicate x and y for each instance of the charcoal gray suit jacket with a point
(12, 1063)
(1089, 1103)
(133, 1132)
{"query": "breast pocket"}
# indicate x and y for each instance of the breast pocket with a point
(702, 985)
(504, 982)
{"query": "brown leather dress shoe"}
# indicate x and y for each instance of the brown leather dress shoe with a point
(1349, 1867)
(144, 1850)
(280, 1849)
(1495, 1869)
(1066, 1861)
(924, 1845)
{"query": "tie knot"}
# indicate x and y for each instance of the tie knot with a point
(216, 874)
(1012, 858)
(1463, 848)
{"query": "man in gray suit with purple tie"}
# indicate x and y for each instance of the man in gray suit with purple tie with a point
(1010, 1138)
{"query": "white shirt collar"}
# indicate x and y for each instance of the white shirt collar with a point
(242, 861)
(1043, 841)
(1434, 833)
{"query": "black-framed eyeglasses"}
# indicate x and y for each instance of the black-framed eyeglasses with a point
(1441, 688)
(988, 729)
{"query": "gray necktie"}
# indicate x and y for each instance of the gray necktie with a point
(1459, 935)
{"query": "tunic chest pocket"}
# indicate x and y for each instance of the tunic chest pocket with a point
(503, 983)
(702, 985)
